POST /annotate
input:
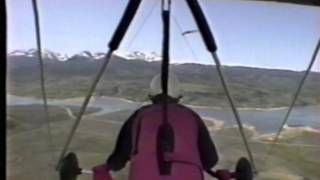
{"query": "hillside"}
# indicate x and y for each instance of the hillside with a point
(251, 87)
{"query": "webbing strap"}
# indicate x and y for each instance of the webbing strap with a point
(165, 47)
(165, 136)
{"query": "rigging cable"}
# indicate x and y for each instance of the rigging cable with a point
(155, 2)
(234, 110)
(295, 97)
(231, 101)
(209, 41)
(114, 43)
(42, 76)
(185, 39)
(84, 105)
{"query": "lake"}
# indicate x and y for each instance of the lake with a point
(265, 121)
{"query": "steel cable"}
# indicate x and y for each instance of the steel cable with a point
(231, 101)
(42, 76)
(293, 102)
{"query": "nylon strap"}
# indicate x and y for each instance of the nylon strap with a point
(165, 47)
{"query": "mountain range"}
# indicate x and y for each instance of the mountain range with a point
(51, 55)
(128, 76)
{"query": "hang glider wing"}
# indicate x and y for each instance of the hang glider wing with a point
(301, 2)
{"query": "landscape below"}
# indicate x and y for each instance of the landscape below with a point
(29, 156)
(200, 84)
(294, 157)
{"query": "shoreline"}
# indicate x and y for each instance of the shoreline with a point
(79, 101)
(241, 108)
(214, 124)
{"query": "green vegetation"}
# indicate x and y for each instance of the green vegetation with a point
(20, 119)
(28, 141)
(250, 87)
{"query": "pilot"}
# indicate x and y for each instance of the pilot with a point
(191, 151)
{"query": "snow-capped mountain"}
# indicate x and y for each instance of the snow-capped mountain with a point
(87, 55)
(152, 56)
(18, 53)
(46, 54)
(99, 55)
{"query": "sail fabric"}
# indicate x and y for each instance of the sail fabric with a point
(301, 2)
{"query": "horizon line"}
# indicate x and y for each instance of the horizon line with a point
(174, 63)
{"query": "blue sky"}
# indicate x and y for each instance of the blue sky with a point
(271, 35)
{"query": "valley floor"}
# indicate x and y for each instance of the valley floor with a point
(29, 156)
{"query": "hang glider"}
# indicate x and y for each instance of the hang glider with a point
(301, 2)
(204, 30)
